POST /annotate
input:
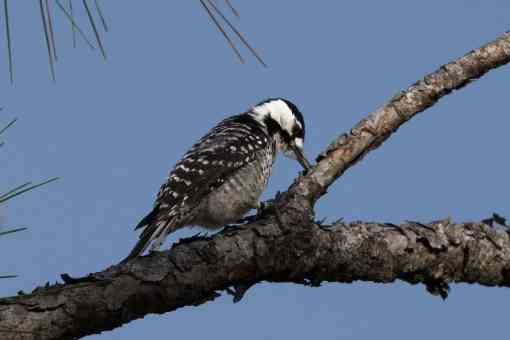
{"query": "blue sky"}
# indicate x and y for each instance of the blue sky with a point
(113, 130)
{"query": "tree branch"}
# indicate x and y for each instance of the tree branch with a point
(305, 253)
(371, 132)
(286, 245)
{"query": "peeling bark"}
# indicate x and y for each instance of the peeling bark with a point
(285, 245)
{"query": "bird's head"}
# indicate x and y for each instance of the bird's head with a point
(281, 117)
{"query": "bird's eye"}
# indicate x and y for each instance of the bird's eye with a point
(297, 132)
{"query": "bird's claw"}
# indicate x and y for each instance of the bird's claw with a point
(265, 208)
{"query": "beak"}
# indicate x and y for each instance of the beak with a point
(300, 156)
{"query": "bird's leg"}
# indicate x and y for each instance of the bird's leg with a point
(265, 208)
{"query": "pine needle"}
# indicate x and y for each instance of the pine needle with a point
(232, 8)
(46, 35)
(93, 24)
(100, 13)
(75, 25)
(19, 187)
(13, 194)
(238, 33)
(11, 123)
(220, 28)
(12, 231)
(8, 36)
(73, 28)
(52, 35)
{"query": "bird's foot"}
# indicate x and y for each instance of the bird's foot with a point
(263, 209)
(266, 208)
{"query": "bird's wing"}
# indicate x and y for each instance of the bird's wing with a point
(226, 148)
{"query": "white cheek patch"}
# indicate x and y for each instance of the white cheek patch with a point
(280, 112)
(283, 115)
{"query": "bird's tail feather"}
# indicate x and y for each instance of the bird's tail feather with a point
(149, 218)
(149, 234)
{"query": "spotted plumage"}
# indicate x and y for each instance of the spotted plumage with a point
(223, 175)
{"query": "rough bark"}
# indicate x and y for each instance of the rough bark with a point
(271, 249)
(285, 245)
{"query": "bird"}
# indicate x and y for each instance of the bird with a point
(223, 175)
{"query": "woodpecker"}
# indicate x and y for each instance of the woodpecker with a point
(223, 175)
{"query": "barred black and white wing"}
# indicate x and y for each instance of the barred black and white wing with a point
(228, 147)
